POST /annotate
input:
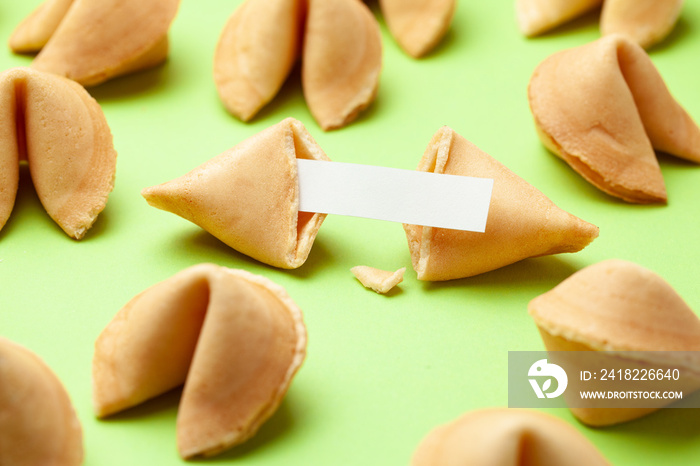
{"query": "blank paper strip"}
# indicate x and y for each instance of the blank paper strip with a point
(406, 196)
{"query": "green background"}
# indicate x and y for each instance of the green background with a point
(381, 371)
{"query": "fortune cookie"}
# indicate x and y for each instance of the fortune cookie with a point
(522, 222)
(233, 338)
(619, 306)
(603, 108)
(645, 22)
(418, 25)
(506, 437)
(54, 125)
(248, 197)
(339, 44)
(91, 41)
(38, 425)
(380, 281)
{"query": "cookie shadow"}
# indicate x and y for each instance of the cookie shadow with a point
(286, 103)
(201, 246)
(162, 404)
(27, 201)
(669, 160)
(678, 425)
(134, 85)
(569, 177)
(537, 274)
(278, 426)
(682, 31)
(275, 429)
(588, 20)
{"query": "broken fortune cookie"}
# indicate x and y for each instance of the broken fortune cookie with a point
(91, 41)
(506, 437)
(38, 425)
(617, 305)
(522, 222)
(603, 108)
(234, 339)
(381, 281)
(340, 48)
(248, 197)
(54, 125)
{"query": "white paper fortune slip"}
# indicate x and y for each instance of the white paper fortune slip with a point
(406, 196)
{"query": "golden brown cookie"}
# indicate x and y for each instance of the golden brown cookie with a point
(418, 25)
(34, 32)
(256, 52)
(604, 108)
(341, 55)
(38, 425)
(234, 339)
(91, 41)
(248, 197)
(617, 305)
(54, 125)
(522, 222)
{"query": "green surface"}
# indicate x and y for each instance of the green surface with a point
(381, 371)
